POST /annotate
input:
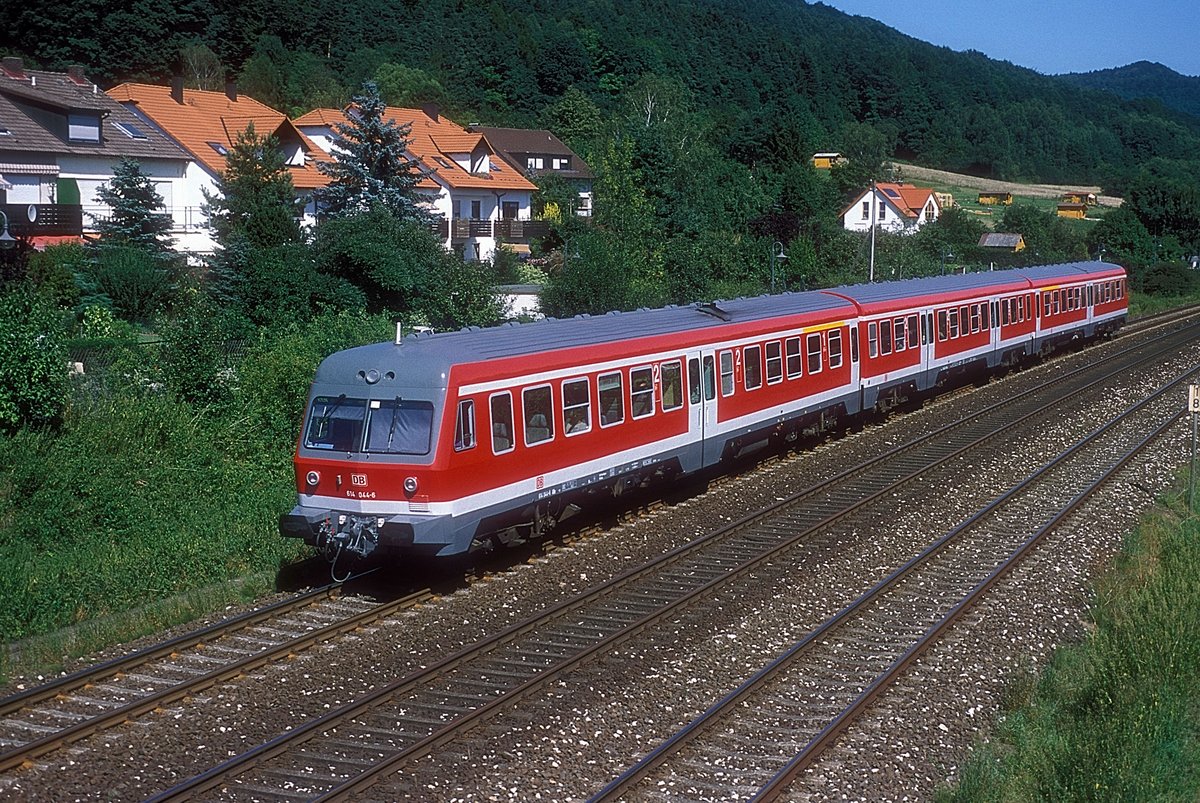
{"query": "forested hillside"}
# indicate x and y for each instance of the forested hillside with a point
(1145, 79)
(776, 79)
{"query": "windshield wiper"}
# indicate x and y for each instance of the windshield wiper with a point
(332, 408)
(392, 428)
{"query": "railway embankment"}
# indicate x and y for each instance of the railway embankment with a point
(1113, 716)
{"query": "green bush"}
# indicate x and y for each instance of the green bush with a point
(33, 361)
(1170, 279)
(137, 282)
(52, 272)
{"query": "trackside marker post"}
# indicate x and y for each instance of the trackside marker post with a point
(1194, 409)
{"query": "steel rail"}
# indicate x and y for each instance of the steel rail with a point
(313, 728)
(711, 717)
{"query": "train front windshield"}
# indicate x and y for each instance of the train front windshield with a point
(383, 426)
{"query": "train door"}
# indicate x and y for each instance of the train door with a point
(702, 399)
(928, 340)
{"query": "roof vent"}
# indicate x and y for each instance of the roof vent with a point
(713, 310)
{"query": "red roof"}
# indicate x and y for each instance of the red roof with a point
(908, 199)
(208, 122)
(436, 142)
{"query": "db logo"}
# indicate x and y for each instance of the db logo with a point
(541, 483)
(358, 479)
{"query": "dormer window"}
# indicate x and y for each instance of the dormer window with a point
(534, 162)
(219, 148)
(562, 163)
(130, 130)
(83, 127)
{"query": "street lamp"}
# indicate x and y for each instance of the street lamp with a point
(1100, 256)
(946, 253)
(777, 254)
(6, 239)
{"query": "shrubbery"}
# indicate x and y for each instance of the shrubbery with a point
(33, 362)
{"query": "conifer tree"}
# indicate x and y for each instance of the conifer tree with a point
(137, 219)
(371, 168)
(255, 199)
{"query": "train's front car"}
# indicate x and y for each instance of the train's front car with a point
(366, 457)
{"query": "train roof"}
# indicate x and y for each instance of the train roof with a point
(425, 359)
(514, 340)
(965, 283)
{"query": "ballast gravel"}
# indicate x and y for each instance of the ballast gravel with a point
(566, 743)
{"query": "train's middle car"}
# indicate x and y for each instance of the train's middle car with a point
(437, 443)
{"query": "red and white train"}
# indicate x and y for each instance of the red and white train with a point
(438, 442)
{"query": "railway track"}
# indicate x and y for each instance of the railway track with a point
(350, 749)
(763, 734)
(48, 717)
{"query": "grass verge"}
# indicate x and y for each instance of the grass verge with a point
(47, 654)
(1116, 717)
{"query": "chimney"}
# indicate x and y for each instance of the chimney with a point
(431, 111)
(231, 90)
(177, 89)
(75, 73)
(13, 67)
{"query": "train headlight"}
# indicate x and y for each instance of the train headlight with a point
(312, 478)
(410, 485)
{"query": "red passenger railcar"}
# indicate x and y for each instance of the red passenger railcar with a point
(437, 443)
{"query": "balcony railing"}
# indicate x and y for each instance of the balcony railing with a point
(44, 220)
(460, 230)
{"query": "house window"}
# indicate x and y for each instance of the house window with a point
(577, 406)
(562, 163)
(83, 127)
(534, 162)
(130, 130)
(882, 212)
(726, 373)
(508, 210)
(476, 210)
(539, 414)
(219, 148)
(866, 210)
(612, 410)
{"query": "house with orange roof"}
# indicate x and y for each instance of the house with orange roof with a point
(206, 124)
(482, 200)
(892, 207)
(60, 140)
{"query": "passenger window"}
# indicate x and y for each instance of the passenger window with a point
(976, 318)
(873, 339)
(912, 331)
(943, 326)
(694, 381)
(885, 337)
(672, 385)
(953, 324)
(612, 408)
(464, 426)
(577, 406)
(792, 350)
(835, 348)
(813, 345)
(752, 366)
(710, 380)
(641, 392)
(538, 406)
(502, 422)
(901, 342)
(774, 363)
(726, 373)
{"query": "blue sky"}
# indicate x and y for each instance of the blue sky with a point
(1050, 36)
